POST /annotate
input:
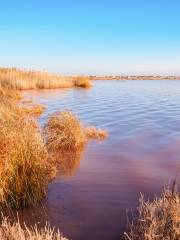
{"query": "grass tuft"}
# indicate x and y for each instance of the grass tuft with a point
(64, 132)
(34, 110)
(15, 231)
(82, 82)
(23, 170)
(157, 220)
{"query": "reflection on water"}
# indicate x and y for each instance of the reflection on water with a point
(67, 162)
(140, 155)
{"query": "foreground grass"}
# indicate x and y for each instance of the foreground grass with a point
(9, 231)
(24, 167)
(14, 78)
(157, 220)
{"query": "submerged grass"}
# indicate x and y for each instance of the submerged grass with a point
(157, 220)
(14, 78)
(95, 133)
(15, 231)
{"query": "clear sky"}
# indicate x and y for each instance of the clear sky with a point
(91, 36)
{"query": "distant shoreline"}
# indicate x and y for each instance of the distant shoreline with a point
(134, 77)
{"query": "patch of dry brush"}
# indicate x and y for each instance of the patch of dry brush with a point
(9, 231)
(157, 220)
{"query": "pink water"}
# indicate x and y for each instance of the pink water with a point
(140, 155)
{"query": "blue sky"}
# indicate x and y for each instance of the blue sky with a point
(91, 37)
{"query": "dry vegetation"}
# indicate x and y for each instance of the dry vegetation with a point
(24, 169)
(14, 231)
(64, 132)
(6, 92)
(82, 82)
(35, 110)
(157, 220)
(95, 133)
(14, 78)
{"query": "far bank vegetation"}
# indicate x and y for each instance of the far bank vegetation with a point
(13, 78)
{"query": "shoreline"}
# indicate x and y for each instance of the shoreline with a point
(107, 78)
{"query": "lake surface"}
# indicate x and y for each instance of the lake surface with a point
(140, 155)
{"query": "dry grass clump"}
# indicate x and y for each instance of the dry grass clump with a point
(34, 109)
(64, 132)
(82, 82)
(6, 92)
(157, 220)
(13, 78)
(14, 231)
(24, 170)
(95, 133)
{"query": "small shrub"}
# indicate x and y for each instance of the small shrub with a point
(64, 132)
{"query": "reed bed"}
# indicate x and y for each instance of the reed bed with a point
(157, 220)
(14, 78)
(14, 231)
